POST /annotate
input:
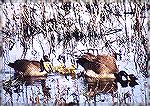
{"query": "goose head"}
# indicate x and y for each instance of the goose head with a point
(124, 79)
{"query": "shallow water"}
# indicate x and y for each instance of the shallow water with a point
(66, 90)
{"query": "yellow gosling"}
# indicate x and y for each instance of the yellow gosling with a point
(71, 69)
(60, 69)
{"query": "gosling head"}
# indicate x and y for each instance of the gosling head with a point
(48, 66)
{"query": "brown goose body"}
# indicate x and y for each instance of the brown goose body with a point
(100, 71)
(100, 64)
(27, 67)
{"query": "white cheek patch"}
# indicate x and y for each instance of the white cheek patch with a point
(123, 78)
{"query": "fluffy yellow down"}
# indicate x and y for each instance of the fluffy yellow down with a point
(60, 68)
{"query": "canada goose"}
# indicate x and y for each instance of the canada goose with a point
(127, 80)
(29, 68)
(99, 72)
(101, 65)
